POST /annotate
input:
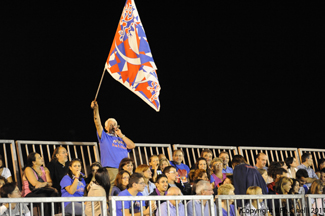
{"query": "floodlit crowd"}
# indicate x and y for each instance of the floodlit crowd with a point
(117, 175)
(209, 176)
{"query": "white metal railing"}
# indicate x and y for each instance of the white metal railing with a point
(273, 153)
(86, 151)
(142, 152)
(193, 152)
(53, 200)
(316, 154)
(115, 199)
(314, 207)
(241, 201)
(10, 158)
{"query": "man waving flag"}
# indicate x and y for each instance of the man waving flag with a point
(130, 60)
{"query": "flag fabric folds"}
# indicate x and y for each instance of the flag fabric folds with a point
(130, 60)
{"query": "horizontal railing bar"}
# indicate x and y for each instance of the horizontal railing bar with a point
(144, 198)
(54, 142)
(52, 199)
(203, 146)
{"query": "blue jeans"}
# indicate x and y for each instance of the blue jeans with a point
(77, 208)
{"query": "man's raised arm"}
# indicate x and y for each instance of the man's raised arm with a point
(98, 124)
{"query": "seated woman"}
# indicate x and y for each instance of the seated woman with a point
(295, 190)
(292, 164)
(163, 162)
(154, 166)
(73, 185)
(37, 177)
(202, 164)
(93, 167)
(121, 182)
(283, 186)
(99, 187)
(127, 165)
(5, 172)
(321, 165)
(257, 206)
(317, 188)
(217, 176)
(227, 189)
(10, 190)
(147, 175)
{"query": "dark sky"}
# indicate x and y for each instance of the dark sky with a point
(231, 73)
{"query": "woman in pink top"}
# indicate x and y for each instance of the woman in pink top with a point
(217, 176)
(36, 180)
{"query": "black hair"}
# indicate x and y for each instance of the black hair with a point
(278, 171)
(102, 179)
(289, 161)
(320, 161)
(135, 177)
(30, 159)
(304, 157)
(167, 169)
(238, 159)
(7, 189)
(160, 176)
(273, 165)
(301, 173)
(70, 164)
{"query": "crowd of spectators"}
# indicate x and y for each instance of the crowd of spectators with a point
(117, 175)
(162, 178)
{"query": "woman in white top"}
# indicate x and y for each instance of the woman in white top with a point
(292, 164)
(4, 171)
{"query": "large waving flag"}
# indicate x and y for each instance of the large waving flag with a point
(130, 60)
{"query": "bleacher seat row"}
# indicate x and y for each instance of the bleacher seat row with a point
(15, 155)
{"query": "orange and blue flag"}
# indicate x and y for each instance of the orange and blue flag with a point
(130, 60)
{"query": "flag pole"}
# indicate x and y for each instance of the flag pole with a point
(100, 83)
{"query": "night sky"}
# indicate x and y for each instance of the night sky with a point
(231, 73)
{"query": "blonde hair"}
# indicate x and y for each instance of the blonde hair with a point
(216, 160)
(252, 190)
(163, 160)
(225, 189)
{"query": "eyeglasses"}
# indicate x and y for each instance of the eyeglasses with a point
(126, 178)
(171, 172)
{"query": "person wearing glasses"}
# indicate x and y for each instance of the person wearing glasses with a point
(172, 176)
(173, 204)
(121, 182)
(147, 175)
(10, 190)
(136, 186)
(203, 187)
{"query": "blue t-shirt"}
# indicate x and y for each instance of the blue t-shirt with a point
(231, 209)
(127, 204)
(112, 149)
(67, 181)
(182, 169)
